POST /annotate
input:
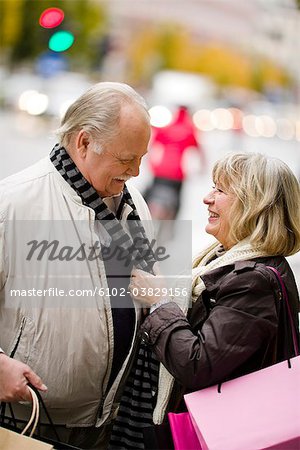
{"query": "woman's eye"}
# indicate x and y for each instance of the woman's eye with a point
(217, 189)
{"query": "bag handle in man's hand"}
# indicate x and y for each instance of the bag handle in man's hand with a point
(35, 414)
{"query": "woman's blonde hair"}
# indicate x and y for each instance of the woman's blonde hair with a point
(267, 201)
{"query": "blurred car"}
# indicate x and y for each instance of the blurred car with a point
(37, 95)
(173, 88)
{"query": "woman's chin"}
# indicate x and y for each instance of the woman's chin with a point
(209, 229)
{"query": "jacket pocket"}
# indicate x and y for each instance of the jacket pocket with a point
(23, 341)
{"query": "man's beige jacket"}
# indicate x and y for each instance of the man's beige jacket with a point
(64, 332)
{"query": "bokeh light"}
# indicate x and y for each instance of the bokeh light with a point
(237, 115)
(160, 116)
(202, 120)
(33, 102)
(51, 17)
(61, 41)
(222, 119)
(285, 129)
(249, 125)
(265, 126)
(298, 130)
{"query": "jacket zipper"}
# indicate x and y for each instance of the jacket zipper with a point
(12, 354)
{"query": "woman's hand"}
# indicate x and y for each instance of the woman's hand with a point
(146, 288)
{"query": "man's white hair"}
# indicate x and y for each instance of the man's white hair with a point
(97, 112)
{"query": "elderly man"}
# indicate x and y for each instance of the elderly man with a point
(80, 351)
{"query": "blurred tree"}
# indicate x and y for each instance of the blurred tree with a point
(174, 48)
(224, 66)
(23, 39)
(265, 74)
(169, 43)
(10, 22)
(143, 56)
(88, 21)
(27, 42)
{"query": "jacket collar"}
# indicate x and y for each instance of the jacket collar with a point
(213, 278)
(67, 189)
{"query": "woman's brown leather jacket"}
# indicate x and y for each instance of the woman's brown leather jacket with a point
(236, 326)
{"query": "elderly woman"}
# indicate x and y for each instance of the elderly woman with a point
(236, 324)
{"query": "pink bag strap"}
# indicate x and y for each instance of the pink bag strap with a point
(285, 297)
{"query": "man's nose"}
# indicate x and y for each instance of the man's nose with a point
(135, 168)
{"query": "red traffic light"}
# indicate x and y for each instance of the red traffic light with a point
(51, 17)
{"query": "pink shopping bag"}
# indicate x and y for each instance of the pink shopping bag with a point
(260, 410)
(183, 433)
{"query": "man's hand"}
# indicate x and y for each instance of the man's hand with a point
(14, 377)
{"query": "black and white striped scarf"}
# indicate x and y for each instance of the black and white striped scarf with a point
(137, 245)
(138, 398)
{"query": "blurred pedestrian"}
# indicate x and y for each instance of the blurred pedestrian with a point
(237, 322)
(166, 155)
(80, 352)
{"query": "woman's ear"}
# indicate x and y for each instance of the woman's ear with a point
(83, 139)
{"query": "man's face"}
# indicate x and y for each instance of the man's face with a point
(120, 160)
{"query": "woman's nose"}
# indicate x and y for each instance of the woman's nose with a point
(209, 198)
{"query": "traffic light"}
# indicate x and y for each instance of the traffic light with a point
(61, 41)
(51, 17)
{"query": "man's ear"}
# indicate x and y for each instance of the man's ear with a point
(83, 139)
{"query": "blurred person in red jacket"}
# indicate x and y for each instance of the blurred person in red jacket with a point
(168, 146)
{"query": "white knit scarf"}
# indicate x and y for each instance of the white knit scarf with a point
(202, 264)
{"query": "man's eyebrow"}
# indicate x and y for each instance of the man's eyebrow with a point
(131, 156)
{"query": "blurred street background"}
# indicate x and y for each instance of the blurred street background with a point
(233, 63)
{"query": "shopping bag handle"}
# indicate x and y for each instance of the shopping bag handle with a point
(37, 401)
(285, 297)
(40, 400)
(288, 309)
(35, 413)
(34, 418)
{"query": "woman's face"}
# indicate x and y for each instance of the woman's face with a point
(219, 204)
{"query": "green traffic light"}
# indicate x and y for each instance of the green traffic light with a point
(61, 41)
